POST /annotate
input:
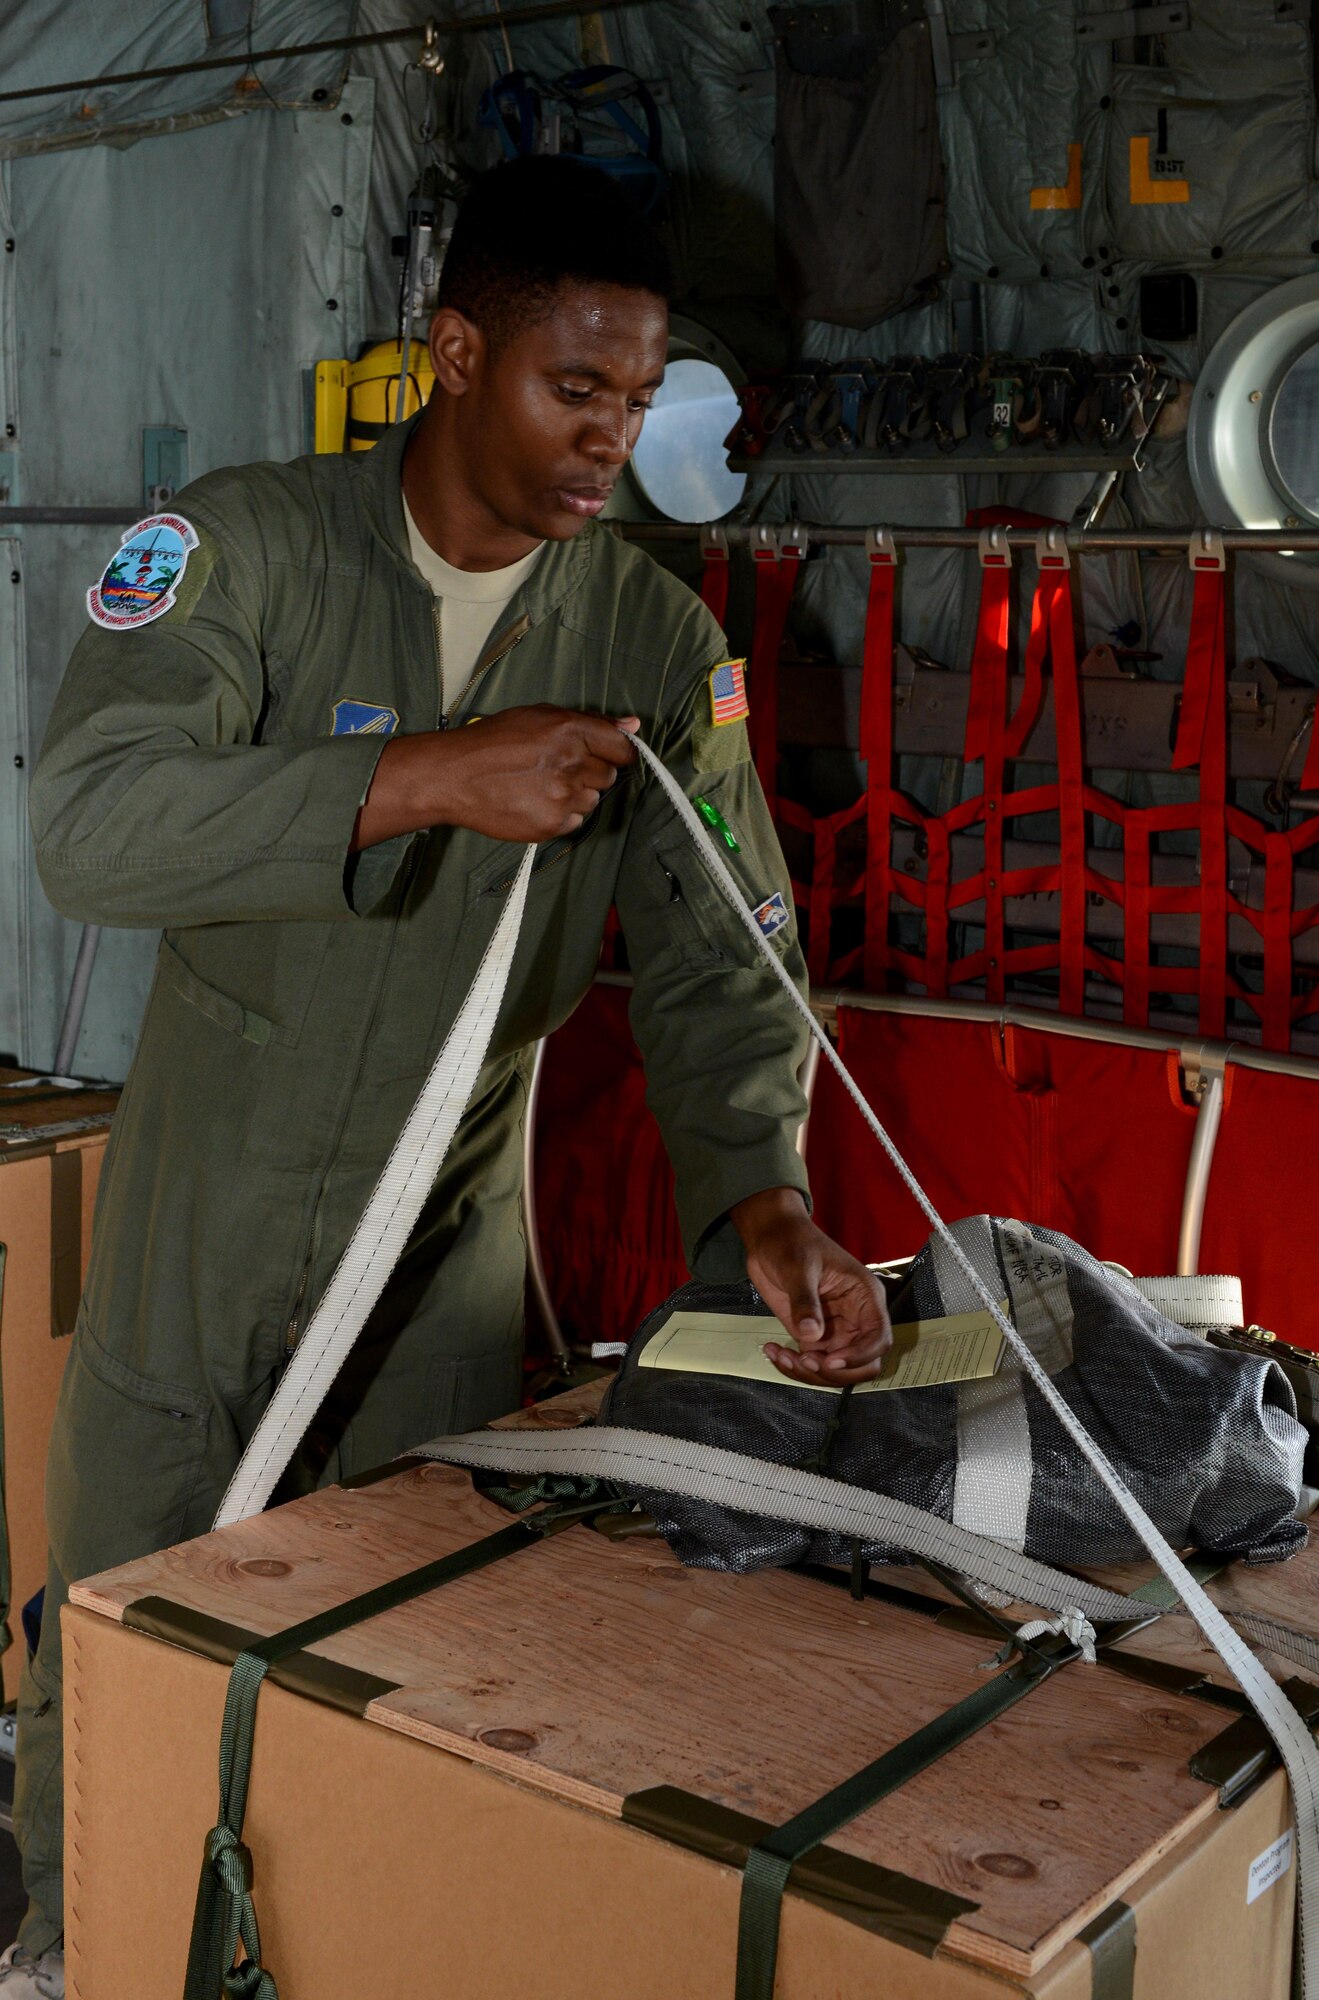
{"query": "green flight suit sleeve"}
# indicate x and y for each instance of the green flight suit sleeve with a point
(152, 805)
(722, 1046)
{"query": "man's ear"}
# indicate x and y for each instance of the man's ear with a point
(457, 350)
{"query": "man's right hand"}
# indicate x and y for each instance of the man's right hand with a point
(525, 774)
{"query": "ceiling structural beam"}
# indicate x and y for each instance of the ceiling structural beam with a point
(543, 10)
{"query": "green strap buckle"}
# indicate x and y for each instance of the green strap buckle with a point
(715, 819)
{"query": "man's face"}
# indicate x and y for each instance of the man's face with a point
(549, 420)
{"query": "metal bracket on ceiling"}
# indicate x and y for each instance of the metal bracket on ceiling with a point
(1051, 550)
(995, 549)
(1117, 23)
(1206, 549)
(772, 544)
(714, 542)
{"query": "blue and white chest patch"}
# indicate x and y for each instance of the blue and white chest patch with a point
(139, 581)
(772, 914)
(364, 718)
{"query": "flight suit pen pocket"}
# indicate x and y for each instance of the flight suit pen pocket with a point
(226, 1012)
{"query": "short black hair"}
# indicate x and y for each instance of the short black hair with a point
(531, 225)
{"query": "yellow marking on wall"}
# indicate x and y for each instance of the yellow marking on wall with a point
(1144, 187)
(1062, 197)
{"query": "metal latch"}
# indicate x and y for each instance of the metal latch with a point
(772, 544)
(1051, 550)
(881, 549)
(995, 549)
(1206, 550)
(714, 542)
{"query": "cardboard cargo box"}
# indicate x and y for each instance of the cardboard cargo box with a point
(543, 1778)
(52, 1142)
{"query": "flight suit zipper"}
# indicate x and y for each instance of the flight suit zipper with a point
(498, 649)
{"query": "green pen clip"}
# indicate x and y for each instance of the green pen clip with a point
(715, 819)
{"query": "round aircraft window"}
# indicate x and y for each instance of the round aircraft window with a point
(1253, 440)
(679, 462)
(1293, 433)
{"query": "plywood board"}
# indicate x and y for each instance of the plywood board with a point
(590, 1669)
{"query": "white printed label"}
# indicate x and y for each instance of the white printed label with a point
(1269, 1867)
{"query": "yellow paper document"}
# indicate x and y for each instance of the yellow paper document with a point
(926, 1353)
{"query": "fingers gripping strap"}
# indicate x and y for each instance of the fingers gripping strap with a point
(1295, 1744)
(386, 1223)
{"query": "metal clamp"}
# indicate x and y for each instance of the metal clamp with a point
(431, 56)
(881, 549)
(995, 549)
(1206, 551)
(1051, 550)
(714, 542)
(773, 544)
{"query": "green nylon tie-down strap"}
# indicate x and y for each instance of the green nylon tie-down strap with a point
(224, 1910)
(770, 1863)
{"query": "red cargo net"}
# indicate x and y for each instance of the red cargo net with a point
(877, 891)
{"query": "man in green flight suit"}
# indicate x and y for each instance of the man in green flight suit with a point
(270, 762)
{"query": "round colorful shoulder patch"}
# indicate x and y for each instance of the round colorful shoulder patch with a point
(139, 582)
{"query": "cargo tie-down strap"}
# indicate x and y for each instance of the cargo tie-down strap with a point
(731, 1479)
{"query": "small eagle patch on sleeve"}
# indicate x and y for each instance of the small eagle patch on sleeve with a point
(728, 693)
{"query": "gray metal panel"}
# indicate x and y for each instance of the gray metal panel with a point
(211, 326)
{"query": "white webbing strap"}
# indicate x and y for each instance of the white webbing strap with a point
(679, 1466)
(1204, 1300)
(386, 1222)
(1295, 1744)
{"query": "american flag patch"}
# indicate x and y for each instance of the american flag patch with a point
(728, 693)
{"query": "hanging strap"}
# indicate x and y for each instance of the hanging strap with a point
(224, 1910)
(989, 657)
(778, 561)
(877, 750)
(1202, 740)
(1057, 620)
(716, 571)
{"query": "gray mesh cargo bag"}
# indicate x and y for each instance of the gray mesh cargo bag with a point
(1207, 1439)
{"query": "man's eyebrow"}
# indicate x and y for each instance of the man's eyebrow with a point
(591, 374)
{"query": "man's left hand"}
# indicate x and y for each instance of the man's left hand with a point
(833, 1307)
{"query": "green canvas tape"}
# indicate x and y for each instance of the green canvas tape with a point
(375, 1473)
(1241, 1755)
(910, 1913)
(307, 1674)
(1111, 1939)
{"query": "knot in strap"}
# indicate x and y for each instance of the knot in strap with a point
(230, 1861)
(249, 1981)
